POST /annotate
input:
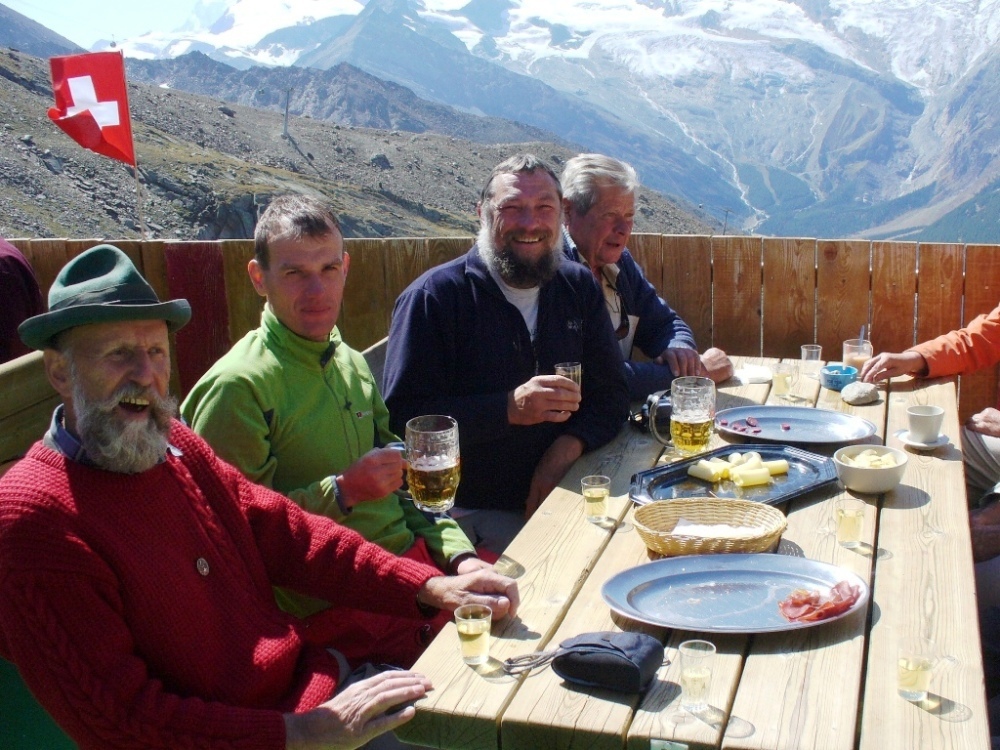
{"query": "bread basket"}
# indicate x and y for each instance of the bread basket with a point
(655, 523)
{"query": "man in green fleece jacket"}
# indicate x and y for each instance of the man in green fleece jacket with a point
(297, 410)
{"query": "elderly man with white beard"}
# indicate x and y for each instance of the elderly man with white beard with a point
(136, 567)
(478, 339)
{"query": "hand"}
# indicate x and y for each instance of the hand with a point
(373, 476)
(888, 365)
(986, 422)
(467, 563)
(681, 361)
(551, 468)
(716, 365)
(483, 586)
(544, 398)
(357, 713)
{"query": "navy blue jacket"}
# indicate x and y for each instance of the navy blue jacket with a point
(659, 326)
(458, 347)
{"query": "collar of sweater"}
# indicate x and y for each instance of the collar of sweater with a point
(293, 347)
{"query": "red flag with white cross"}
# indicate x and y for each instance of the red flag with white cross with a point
(92, 103)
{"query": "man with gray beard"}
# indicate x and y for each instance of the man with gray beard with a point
(136, 566)
(478, 339)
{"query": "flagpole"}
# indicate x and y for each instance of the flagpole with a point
(135, 167)
(138, 197)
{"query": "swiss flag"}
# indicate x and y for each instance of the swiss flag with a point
(92, 103)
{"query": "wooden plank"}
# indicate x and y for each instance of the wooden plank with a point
(789, 295)
(647, 250)
(686, 281)
(736, 294)
(843, 285)
(243, 303)
(940, 286)
(894, 289)
(195, 271)
(404, 261)
(363, 319)
(47, 257)
(924, 584)
(22, 429)
(556, 550)
(26, 403)
(982, 292)
(154, 270)
(22, 382)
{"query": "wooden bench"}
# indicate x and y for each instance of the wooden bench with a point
(26, 404)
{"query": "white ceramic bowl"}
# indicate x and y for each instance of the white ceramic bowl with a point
(865, 480)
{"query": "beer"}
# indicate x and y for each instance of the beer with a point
(695, 682)
(914, 677)
(433, 481)
(782, 383)
(473, 624)
(596, 503)
(849, 524)
(690, 434)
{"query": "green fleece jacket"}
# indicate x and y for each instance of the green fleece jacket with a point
(291, 414)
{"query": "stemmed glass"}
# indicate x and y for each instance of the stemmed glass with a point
(433, 462)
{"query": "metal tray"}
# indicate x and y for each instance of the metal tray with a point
(806, 472)
(723, 593)
(793, 424)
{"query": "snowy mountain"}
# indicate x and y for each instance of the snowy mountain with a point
(812, 117)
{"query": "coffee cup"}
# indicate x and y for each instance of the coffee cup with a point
(925, 423)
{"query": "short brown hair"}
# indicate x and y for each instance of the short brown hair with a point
(292, 216)
(516, 165)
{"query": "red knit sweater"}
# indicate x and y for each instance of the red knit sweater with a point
(139, 610)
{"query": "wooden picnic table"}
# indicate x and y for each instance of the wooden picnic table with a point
(830, 687)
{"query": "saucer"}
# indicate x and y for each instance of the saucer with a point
(904, 436)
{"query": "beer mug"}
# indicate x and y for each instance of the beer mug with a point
(433, 462)
(692, 412)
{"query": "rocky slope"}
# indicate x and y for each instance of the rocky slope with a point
(205, 165)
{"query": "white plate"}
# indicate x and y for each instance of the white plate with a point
(728, 593)
(904, 436)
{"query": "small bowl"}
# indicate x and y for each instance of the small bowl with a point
(870, 481)
(835, 376)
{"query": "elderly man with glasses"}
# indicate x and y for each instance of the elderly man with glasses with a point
(598, 211)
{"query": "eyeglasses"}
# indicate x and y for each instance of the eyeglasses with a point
(625, 326)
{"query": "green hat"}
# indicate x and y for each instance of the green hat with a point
(100, 285)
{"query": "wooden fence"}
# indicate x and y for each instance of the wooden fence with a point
(747, 295)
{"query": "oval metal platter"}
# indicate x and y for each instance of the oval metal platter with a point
(792, 424)
(734, 593)
(806, 472)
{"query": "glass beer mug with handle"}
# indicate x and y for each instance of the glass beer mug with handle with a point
(433, 462)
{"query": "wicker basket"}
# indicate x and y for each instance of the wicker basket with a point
(655, 523)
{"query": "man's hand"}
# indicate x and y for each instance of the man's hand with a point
(986, 422)
(484, 586)
(467, 563)
(681, 361)
(357, 713)
(544, 398)
(552, 467)
(888, 365)
(715, 364)
(373, 476)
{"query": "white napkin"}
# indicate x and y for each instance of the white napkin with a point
(714, 530)
(753, 374)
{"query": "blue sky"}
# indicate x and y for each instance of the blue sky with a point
(85, 21)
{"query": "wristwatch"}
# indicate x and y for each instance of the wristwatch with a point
(338, 495)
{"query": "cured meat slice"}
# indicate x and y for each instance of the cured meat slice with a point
(806, 605)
